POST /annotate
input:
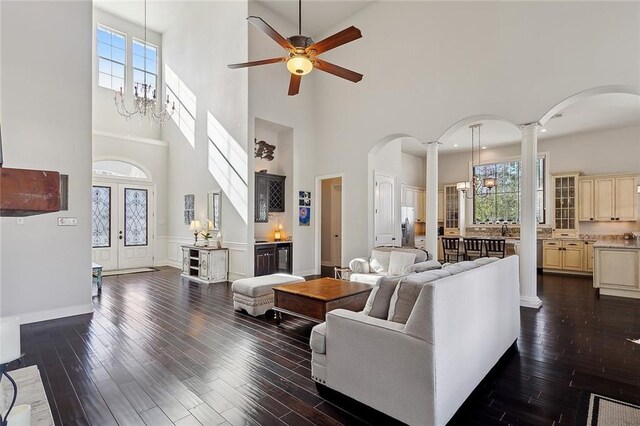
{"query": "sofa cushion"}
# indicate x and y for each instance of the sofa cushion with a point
(318, 338)
(378, 302)
(485, 260)
(379, 261)
(262, 286)
(398, 261)
(371, 279)
(428, 265)
(421, 255)
(407, 291)
(456, 268)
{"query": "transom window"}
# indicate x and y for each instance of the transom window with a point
(502, 204)
(112, 55)
(145, 66)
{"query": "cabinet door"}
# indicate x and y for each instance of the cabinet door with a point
(440, 206)
(618, 269)
(261, 199)
(276, 194)
(572, 256)
(218, 265)
(588, 256)
(203, 271)
(185, 261)
(409, 197)
(626, 198)
(552, 255)
(585, 200)
(421, 206)
(604, 199)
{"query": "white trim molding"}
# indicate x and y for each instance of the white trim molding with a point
(129, 138)
(318, 222)
(51, 314)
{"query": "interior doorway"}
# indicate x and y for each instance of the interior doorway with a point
(330, 221)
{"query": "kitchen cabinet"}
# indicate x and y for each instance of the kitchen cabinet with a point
(269, 196)
(421, 206)
(588, 256)
(567, 255)
(565, 216)
(272, 258)
(608, 198)
(440, 206)
(414, 197)
(451, 210)
(205, 264)
(617, 271)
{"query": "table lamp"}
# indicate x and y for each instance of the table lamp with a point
(195, 227)
(278, 234)
(9, 351)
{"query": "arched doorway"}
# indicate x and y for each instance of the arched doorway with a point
(122, 221)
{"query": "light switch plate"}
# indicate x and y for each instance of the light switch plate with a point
(20, 221)
(67, 221)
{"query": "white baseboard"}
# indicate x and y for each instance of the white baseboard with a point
(55, 313)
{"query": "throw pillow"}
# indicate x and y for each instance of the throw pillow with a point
(379, 261)
(398, 261)
(378, 302)
(403, 299)
(427, 265)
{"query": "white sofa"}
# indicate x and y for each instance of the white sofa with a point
(370, 269)
(421, 372)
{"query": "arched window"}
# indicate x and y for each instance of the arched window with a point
(118, 169)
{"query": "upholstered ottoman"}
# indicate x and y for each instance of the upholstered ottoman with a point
(255, 294)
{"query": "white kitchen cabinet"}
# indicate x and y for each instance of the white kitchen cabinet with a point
(440, 206)
(617, 271)
(421, 205)
(608, 198)
(205, 264)
(565, 209)
(564, 255)
(451, 210)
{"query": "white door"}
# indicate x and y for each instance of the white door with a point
(384, 209)
(122, 225)
(336, 225)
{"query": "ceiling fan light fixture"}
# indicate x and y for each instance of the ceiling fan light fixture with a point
(299, 65)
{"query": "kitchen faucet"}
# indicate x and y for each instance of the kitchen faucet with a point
(504, 231)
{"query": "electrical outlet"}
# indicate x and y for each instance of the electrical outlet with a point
(20, 220)
(67, 221)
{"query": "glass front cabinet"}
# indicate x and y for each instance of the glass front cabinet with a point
(451, 210)
(565, 208)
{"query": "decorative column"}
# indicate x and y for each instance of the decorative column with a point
(528, 226)
(431, 241)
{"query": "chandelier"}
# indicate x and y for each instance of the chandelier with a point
(476, 187)
(145, 97)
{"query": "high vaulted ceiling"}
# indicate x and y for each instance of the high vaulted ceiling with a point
(318, 16)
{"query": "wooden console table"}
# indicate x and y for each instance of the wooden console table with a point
(205, 264)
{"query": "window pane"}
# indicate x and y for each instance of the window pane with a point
(104, 66)
(118, 55)
(138, 76)
(117, 70)
(104, 50)
(138, 49)
(138, 61)
(151, 79)
(118, 40)
(104, 35)
(151, 65)
(101, 216)
(151, 54)
(135, 217)
(104, 80)
(117, 83)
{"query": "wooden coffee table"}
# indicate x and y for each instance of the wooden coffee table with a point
(312, 300)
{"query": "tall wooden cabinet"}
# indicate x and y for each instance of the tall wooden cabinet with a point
(565, 209)
(273, 258)
(451, 210)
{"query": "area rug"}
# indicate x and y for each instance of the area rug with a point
(127, 271)
(598, 410)
(31, 392)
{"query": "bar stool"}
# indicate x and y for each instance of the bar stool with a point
(451, 248)
(495, 247)
(472, 248)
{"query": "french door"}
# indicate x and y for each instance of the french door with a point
(122, 225)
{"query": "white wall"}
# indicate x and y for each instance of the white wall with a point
(198, 46)
(595, 153)
(413, 171)
(105, 117)
(268, 100)
(46, 124)
(512, 59)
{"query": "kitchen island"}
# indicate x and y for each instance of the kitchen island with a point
(617, 267)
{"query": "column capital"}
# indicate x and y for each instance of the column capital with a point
(534, 125)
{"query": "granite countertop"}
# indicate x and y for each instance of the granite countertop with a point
(265, 243)
(618, 243)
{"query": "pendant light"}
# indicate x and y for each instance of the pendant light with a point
(477, 187)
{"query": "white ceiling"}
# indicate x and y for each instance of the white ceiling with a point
(318, 16)
(597, 113)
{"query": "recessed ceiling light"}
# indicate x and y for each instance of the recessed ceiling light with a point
(543, 130)
(455, 145)
(484, 147)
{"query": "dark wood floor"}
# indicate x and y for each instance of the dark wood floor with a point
(161, 351)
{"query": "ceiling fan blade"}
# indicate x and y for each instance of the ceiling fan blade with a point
(255, 63)
(259, 23)
(336, 70)
(338, 39)
(294, 84)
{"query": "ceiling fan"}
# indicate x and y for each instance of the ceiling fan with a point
(302, 52)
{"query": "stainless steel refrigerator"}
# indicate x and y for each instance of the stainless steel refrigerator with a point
(408, 215)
